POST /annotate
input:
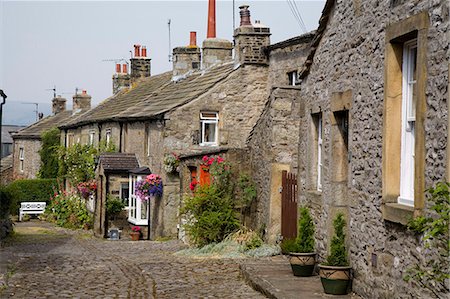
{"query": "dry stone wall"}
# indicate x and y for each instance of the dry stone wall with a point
(350, 57)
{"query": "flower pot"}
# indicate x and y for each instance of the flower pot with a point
(135, 236)
(302, 264)
(335, 280)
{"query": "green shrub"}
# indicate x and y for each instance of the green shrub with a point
(305, 237)
(289, 245)
(49, 154)
(434, 274)
(31, 190)
(211, 216)
(338, 250)
(114, 206)
(68, 210)
(5, 202)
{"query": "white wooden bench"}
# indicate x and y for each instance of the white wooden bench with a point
(31, 208)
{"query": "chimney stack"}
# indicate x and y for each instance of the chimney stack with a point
(186, 59)
(81, 102)
(211, 19)
(193, 39)
(215, 50)
(245, 15)
(140, 64)
(251, 40)
(58, 105)
(121, 79)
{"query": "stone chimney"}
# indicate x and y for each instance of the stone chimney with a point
(251, 40)
(81, 101)
(121, 79)
(58, 105)
(140, 63)
(187, 58)
(215, 50)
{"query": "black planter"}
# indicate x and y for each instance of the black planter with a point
(335, 280)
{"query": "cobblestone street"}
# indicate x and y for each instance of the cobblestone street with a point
(42, 261)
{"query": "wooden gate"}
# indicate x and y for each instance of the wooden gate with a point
(289, 205)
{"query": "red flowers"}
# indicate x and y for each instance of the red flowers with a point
(193, 185)
(136, 229)
(210, 160)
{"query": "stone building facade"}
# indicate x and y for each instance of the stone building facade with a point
(273, 142)
(354, 146)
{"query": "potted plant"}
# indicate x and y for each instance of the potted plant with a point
(171, 163)
(135, 233)
(302, 256)
(335, 273)
(150, 186)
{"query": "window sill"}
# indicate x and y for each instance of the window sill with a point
(398, 213)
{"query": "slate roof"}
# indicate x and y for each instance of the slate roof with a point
(178, 93)
(6, 163)
(35, 130)
(6, 132)
(112, 106)
(118, 162)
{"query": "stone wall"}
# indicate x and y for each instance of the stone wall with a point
(287, 56)
(239, 100)
(32, 159)
(273, 148)
(350, 60)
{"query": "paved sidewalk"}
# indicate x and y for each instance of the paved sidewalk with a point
(273, 277)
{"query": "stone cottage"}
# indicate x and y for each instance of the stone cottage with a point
(202, 106)
(374, 130)
(27, 141)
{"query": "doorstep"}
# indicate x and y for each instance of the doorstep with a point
(273, 278)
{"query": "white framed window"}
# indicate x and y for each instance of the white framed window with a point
(137, 209)
(108, 136)
(292, 77)
(409, 94)
(21, 158)
(125, 194)
(319, 152)
(209, 128)
(91, 137)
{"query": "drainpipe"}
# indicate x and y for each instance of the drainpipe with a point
(106, 213)
(3, 95)
(120, 137)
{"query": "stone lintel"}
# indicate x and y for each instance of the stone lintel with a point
(341, 101)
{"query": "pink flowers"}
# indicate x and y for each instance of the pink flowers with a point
(87, 188)
(150, 186)
(210, 160)
(136, 229)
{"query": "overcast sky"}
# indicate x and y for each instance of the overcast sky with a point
(64, 43)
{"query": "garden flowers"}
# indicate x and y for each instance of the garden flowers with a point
(150, 186)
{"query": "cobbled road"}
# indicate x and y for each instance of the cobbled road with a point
(42, 261)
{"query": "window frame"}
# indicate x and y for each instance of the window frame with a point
(108, 133)
(204, 120)
(135, 209)
(292, 78)
(21, 159)
(407, 159)
(91, 137)
(319, 149)
(397, 34)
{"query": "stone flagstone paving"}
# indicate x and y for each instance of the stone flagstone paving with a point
(42, 261)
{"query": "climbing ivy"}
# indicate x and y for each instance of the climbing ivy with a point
(434, 228)
(49, 154)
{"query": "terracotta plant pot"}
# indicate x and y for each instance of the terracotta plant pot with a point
(135, 236)
(302, 264)
(335, 280)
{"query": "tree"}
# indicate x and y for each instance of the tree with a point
(49, 154)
